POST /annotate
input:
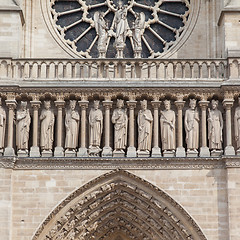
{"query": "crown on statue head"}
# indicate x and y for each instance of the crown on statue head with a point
(215, 102)
(23, 103)
(167, 101)
(143, 102)
(193, 100)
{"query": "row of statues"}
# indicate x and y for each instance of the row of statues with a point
(120, 121)
(120, 30)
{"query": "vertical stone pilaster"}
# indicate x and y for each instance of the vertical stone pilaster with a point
(9, 150)
(34, 151)
(180, 149)
(156, 151)
(107, 150)
(58, 151)
(229, 149)
(204, 150)
(82, 151)
(131, 151)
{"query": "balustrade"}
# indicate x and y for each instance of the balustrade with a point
(123, 118)
(154, 69)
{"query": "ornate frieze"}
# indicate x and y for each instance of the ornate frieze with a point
(90, 132)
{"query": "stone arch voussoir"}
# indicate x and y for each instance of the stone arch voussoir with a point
(116, 205)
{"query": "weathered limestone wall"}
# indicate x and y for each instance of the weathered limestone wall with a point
(233, 180)
(11, 42)
(5, 203)
(202, 193)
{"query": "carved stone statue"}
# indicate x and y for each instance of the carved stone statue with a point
(2, 126)
(23, 121)
(144, 120)
(191, 123)
(138, 28)
(95, 129)
(120, 121)
(215, 127)
(121, 26)
(168, 134)
(72, 127)
(237, 125)
(101, 29)
(47, 127)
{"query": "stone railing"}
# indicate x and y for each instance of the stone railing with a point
(130, 69)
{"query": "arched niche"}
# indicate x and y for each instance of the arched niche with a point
(119, 206)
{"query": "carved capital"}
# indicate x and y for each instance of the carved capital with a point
(83, 104)
(203, 105)
(156, 104)
(107, 104)
(179, 104)
(35, 104)
(11, 104)
(228, 103)
(131, 104)
(59, 104)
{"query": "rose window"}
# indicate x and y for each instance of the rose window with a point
(111, 28)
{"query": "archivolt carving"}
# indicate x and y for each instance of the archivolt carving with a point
(119, 204)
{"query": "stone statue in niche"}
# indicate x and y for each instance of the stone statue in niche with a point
(120, 121)
(47, 128)
(138, 27)
(95, 129)
(2, 126)
(237, 126)
(23, 121)
(144, 121)
(72, 127)
(121, 29)
(102, 32)
(168, 135)
(191, 123)
(215, 128)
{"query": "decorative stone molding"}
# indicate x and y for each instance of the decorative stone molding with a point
(115, 163)
(119, 200)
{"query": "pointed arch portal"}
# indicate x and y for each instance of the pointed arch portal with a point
(119, 206)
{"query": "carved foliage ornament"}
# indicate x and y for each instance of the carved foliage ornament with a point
(148, 28)
(119, 203)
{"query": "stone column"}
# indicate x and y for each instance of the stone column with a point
(229, 149)
(131, 151)
(34, 151)
(156, 151)
(9, 150)
(204, 150)
(180, 149)
(82, 151)
(107, 150)
(58, 151)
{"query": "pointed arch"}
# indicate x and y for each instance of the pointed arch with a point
(119, 205)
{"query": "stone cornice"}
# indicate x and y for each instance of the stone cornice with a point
(120, 163)
(227, 10)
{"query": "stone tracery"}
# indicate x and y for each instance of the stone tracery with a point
(119, 203)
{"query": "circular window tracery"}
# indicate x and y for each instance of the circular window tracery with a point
(162, 24)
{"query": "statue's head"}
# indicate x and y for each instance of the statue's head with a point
(47, 104)
(214, 104)
(120, 103)
(96, 104)
(101, 15)
(144, 104)
(120, 4)
(167, 104)
(192, 103)
(72, 104)
(23, 105)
